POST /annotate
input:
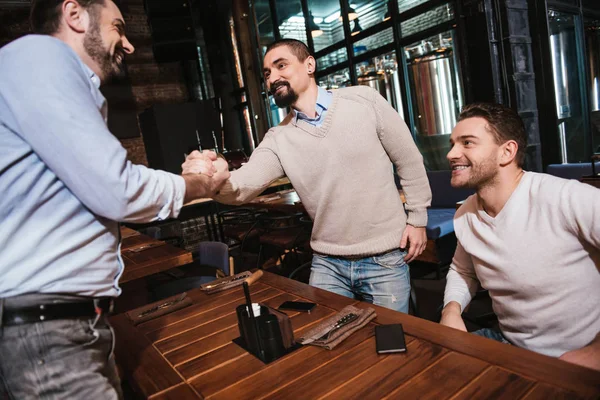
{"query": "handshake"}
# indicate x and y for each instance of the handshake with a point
(206, 163)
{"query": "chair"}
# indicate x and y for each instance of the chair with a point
(441, 241)
(239, 229)
(299, 273)
(283, 232)
(238, 225)
(170, 233)
(209, 256)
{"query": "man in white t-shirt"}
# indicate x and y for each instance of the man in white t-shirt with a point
(532, 240)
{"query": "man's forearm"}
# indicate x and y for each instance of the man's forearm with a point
(198, 186)
(451, 316)
(588, 356)
(452, 308)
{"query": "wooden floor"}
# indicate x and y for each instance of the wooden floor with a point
(190, 354)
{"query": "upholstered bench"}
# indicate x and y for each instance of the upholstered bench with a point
(572, 170)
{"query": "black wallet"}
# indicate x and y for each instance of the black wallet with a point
(390, 339)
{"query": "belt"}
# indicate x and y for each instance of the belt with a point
(51, 311)
(357, 257)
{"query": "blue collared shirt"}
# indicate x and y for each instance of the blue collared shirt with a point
(324, 99)
(64, 178)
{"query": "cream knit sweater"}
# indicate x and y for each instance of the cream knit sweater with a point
(540, 260)
(342, 172)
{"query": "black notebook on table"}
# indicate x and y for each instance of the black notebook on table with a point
(390, 339)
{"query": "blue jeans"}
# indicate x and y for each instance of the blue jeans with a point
(491, 334)
(58, 359)
(383, 280)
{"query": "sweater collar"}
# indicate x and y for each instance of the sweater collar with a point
(320, 131)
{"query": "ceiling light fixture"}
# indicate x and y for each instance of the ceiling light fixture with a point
(315, 31)
(388, 14)
(357, 29)
(352, 14)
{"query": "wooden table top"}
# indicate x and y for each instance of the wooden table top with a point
(188, 354)
(278, 182)
(285, 200)
(145, 256)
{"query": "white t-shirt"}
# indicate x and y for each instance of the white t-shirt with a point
(539, 258)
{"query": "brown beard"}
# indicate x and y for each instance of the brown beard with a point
(287, 99)
(94, 46)
(482, 175)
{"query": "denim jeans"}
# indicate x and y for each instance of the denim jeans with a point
(383, 280)
(59, 359)
(491, 334)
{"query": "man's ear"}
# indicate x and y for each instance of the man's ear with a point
(509, 152)
(74, 16)
(311, 64)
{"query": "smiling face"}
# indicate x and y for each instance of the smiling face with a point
(474, 155)
(286, 76)
(105, 40)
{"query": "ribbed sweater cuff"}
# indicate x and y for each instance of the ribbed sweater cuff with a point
(417, 219)
(463, 299)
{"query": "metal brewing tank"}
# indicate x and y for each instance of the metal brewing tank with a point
(561, 35)
(433, 91)
(374, 79)
(386, 81)
(592, 39)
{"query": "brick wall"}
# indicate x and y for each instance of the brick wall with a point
(427, 19)
(151, 83)
(14, 23)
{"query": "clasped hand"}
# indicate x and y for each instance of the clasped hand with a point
(205, 163)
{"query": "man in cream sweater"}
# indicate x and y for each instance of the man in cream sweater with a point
(338, 149)
(532, 240)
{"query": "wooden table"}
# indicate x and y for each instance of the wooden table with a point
(286, 201)
(208, 209)
(279, 182)
(145, 256)
(188, 354)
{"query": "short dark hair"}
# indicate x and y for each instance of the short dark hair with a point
(298, 48)
(45, 14)
(504, 124)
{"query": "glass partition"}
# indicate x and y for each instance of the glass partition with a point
(374, 41)
(443, 13)
(405, 5)
(325, 23)
(291, 19)
(382, 74)
(335, 80)
(368, 13)
(264, 21)
(331, 59)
